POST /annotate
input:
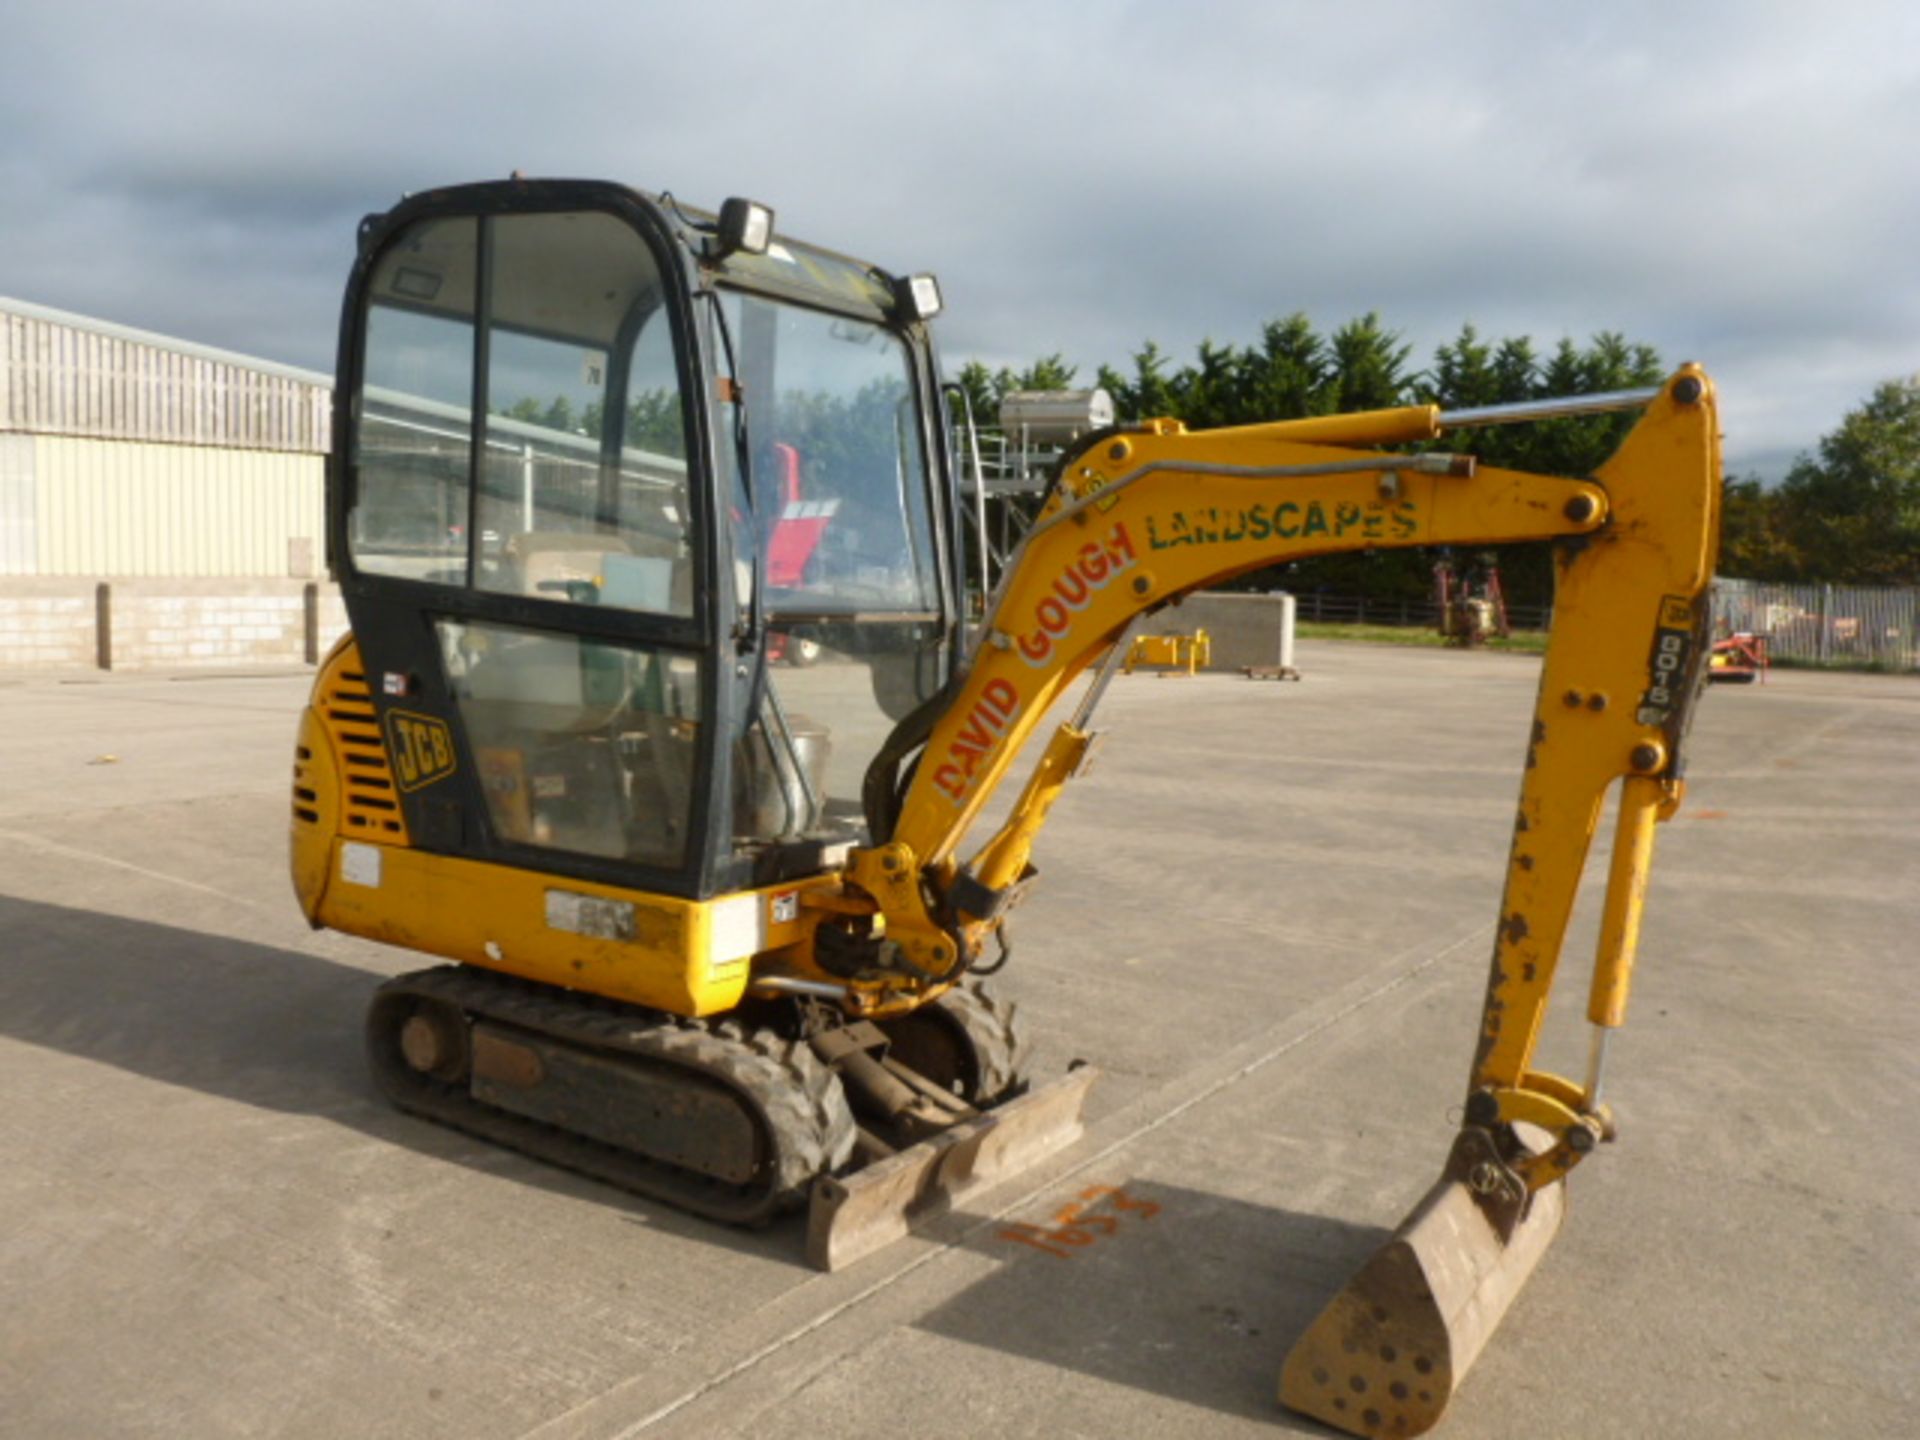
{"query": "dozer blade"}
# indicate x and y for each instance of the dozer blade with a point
(852, 1216)
(1387, 1353)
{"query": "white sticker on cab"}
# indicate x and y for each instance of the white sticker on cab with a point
(360, 864)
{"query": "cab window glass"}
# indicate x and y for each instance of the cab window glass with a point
(581, 469)
(412, 448)
(583, 477)
(839, 471)
(581, 745)
(839, 522)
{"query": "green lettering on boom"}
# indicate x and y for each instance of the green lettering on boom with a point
(1284, 520)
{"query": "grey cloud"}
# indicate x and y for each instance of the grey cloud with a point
(1724, 181)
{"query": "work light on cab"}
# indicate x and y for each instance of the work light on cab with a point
(744, 225)
(918, 297)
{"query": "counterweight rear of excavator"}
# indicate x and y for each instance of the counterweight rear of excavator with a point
(714, 926)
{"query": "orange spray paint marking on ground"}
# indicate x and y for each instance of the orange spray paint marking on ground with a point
(1075, 1226)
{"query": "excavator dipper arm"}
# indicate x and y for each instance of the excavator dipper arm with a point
(1141, 518)
(1623, 667)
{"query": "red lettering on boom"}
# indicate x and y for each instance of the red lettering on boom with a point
(1092, 569)
(986, 721)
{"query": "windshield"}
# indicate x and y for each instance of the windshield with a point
(838, 462)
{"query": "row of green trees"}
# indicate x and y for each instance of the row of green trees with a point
(1848, 514)
(653, 419)
(1851, 515)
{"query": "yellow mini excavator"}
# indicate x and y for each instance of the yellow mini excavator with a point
(712, 934)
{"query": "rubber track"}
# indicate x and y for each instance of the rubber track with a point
(998, 1038)
(794, 1101)
(989, 1032)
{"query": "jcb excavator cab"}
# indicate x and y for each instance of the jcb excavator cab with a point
(598, 462)
(599, 458)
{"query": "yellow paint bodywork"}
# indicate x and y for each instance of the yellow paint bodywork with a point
(316, 809)
(354, 870)
(688, 957)
(1084, 578)
(1646, 575)
(1140, 520)
(1176, 654)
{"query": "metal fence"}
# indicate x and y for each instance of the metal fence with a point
(1419, 614)
(1824, 624)
(1840, 625)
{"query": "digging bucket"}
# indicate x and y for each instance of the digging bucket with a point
(1387, 1353)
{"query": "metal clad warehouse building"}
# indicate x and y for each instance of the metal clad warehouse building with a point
(161, 503)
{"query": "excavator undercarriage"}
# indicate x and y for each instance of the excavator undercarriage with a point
(780, 1105)
(724, 1120)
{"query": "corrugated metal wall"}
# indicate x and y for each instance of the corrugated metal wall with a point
(65, 376)
(17, 506)
(110, 508)
(129, 454)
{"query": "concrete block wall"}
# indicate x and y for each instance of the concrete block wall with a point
(190, 624)
(46, 625)
(50, 625)
(1242, 630)
(332, 619)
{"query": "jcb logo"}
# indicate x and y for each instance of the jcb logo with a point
(421, 747)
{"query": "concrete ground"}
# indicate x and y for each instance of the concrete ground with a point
(1267, 915)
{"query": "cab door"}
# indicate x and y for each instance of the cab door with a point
(522, 526)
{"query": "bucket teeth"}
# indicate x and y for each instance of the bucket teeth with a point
(1389, 1350)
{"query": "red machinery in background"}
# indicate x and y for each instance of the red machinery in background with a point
(796, 535)
(1739, 659)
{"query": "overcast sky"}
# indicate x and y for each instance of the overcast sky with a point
(1731, 183)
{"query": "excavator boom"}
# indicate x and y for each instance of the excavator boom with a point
(1144, 517)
